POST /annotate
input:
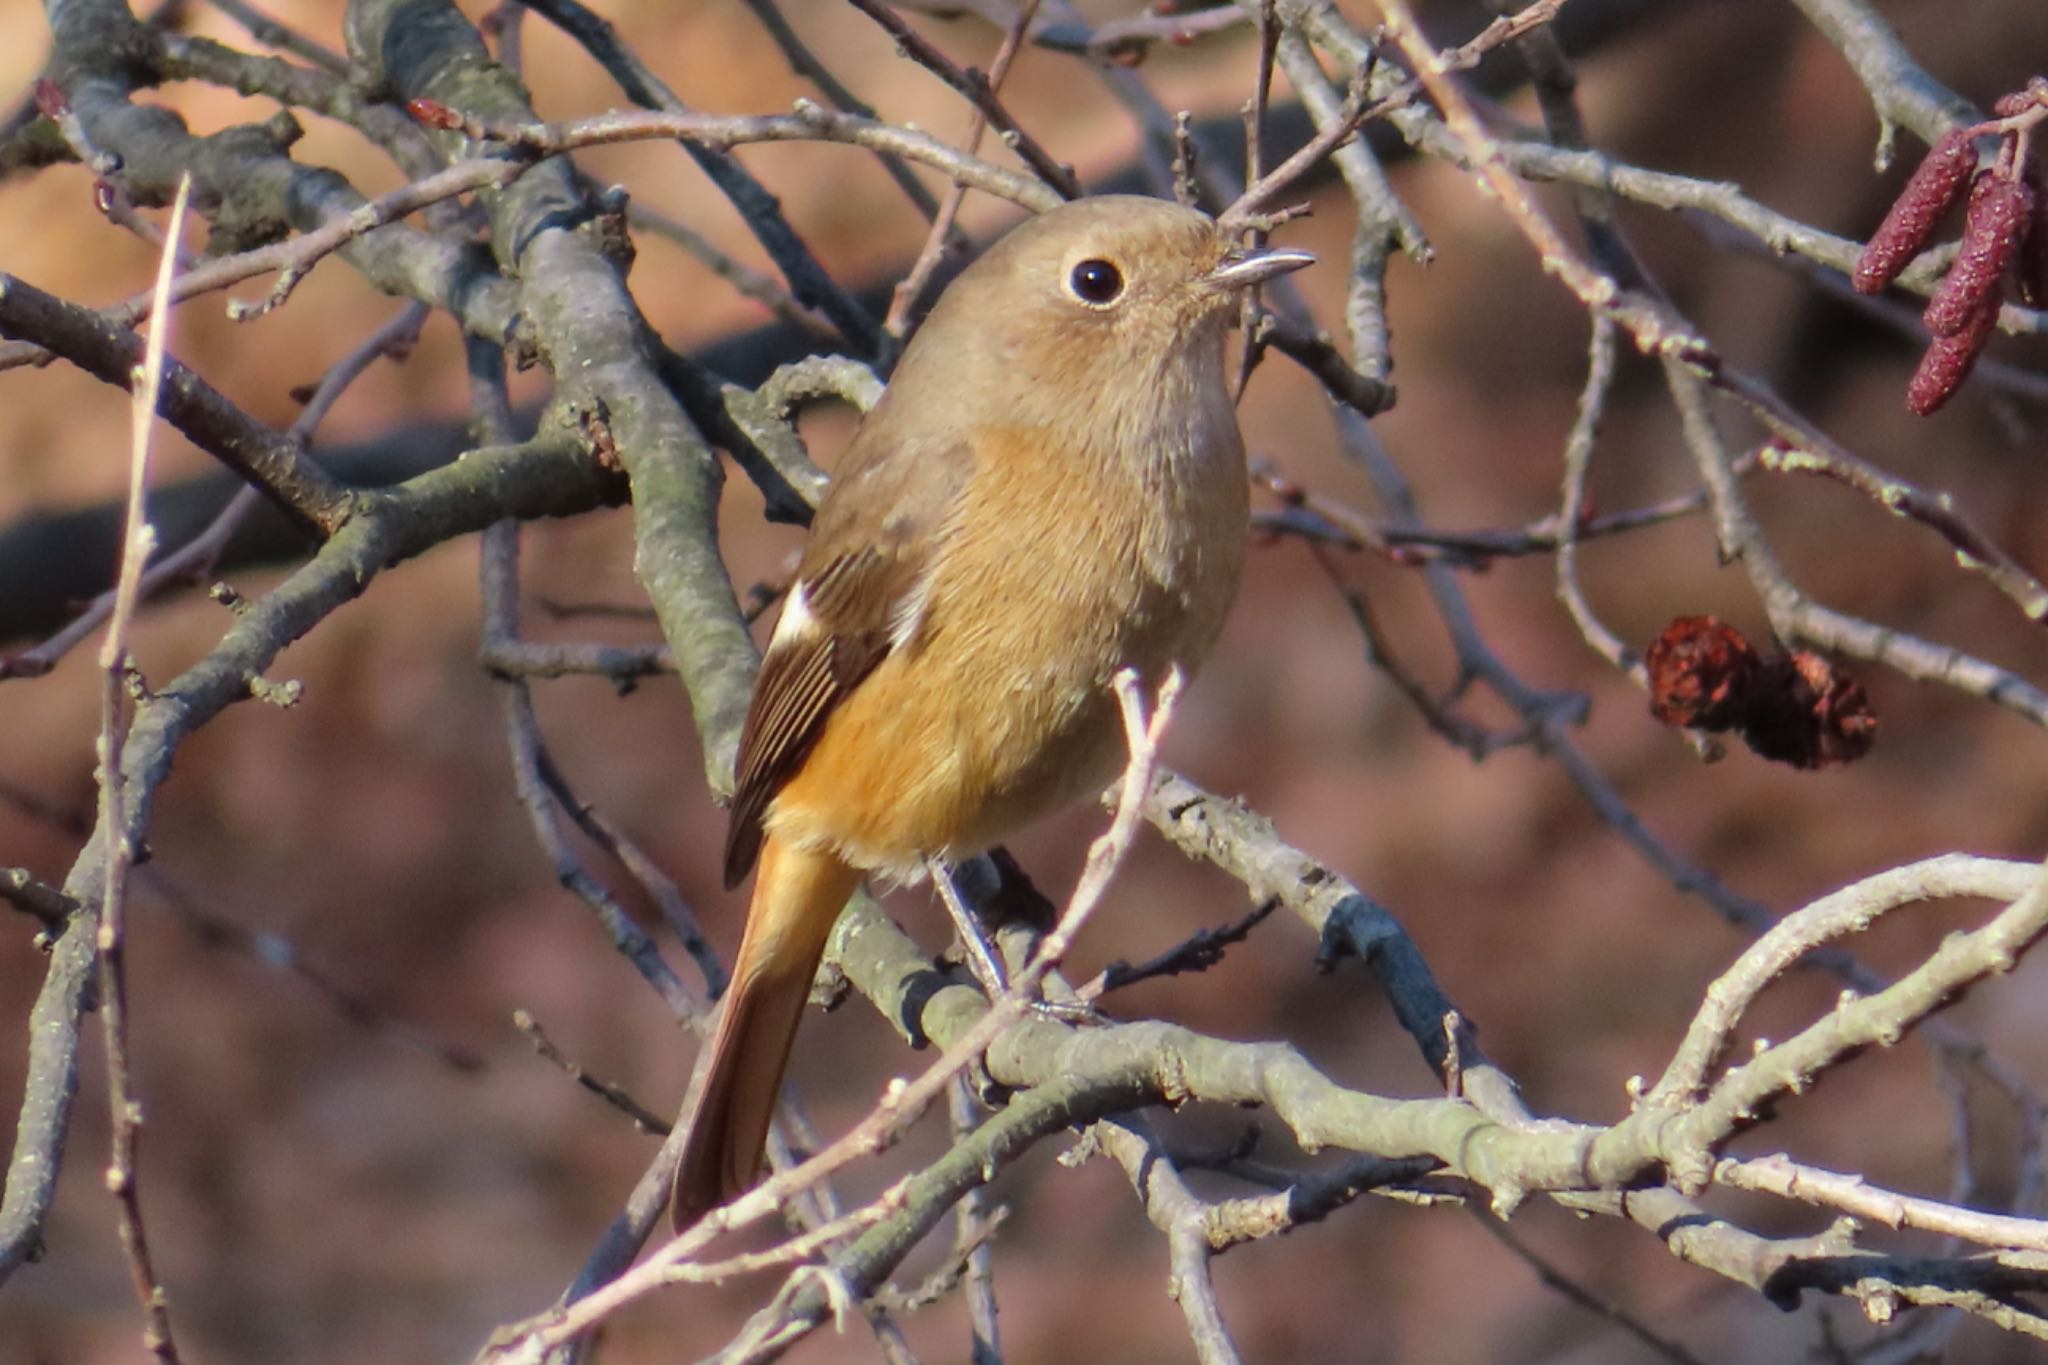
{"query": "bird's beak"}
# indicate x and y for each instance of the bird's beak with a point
(1242, 269)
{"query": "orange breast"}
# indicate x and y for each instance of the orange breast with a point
(1058, 570)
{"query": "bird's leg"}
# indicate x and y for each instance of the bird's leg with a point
(983, 881)
(981, 954)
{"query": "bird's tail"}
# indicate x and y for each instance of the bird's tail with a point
(798, 895)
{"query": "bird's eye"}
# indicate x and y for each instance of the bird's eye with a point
(1096, 283)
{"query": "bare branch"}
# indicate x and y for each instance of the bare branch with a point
(267, 459)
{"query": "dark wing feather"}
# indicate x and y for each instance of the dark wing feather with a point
(801, 681)
(869, 549)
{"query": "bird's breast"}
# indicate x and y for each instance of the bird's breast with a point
(1057, 570)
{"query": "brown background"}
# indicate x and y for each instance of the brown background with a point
(323, 1192)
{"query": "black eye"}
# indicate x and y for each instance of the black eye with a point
(1096, 282)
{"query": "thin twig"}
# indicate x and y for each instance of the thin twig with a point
(106, 349)
(1578, 460)
(1125, 38)
(1936, 511)
(659, 886)
(760, 209)
(748, 282)
(523, 145)
(1197, 953)
(272, 33)
(909, 291)
(976, 1221)
(978, 90)
(1359, 110)
(195, 559)
(643, 1118)
(123, 844)
(1577, 1292)
(1249, 313)
(807, 64)
(1855, 1194)
(500, 584)
(36, 898)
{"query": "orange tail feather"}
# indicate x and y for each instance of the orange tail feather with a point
(798, 895)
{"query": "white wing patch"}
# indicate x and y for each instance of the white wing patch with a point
(907, 613)
(795, 622)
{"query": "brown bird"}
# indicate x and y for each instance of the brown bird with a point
(1052, 489)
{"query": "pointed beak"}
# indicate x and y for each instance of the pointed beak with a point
(1243, 269)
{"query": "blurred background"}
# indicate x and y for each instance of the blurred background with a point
(391, 1182)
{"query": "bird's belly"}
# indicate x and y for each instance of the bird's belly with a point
(955, 746)
(949, 756)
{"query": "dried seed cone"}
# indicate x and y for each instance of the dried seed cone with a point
(1700, 670)
(2001, 211)
(1804, 713)
(1949, 360)
(1935, 184)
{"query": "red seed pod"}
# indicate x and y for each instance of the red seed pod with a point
(1935, 184)
(2001, 211)
(1700, 669)
(1949, 360)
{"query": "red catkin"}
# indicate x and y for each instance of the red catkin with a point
(2032, 270)
(1949, 360)
(2020, 101)
(1935, 184)
(2001, 211)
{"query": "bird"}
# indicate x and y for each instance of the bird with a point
(1050, 490)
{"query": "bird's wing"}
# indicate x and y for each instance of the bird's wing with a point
(858, 597)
